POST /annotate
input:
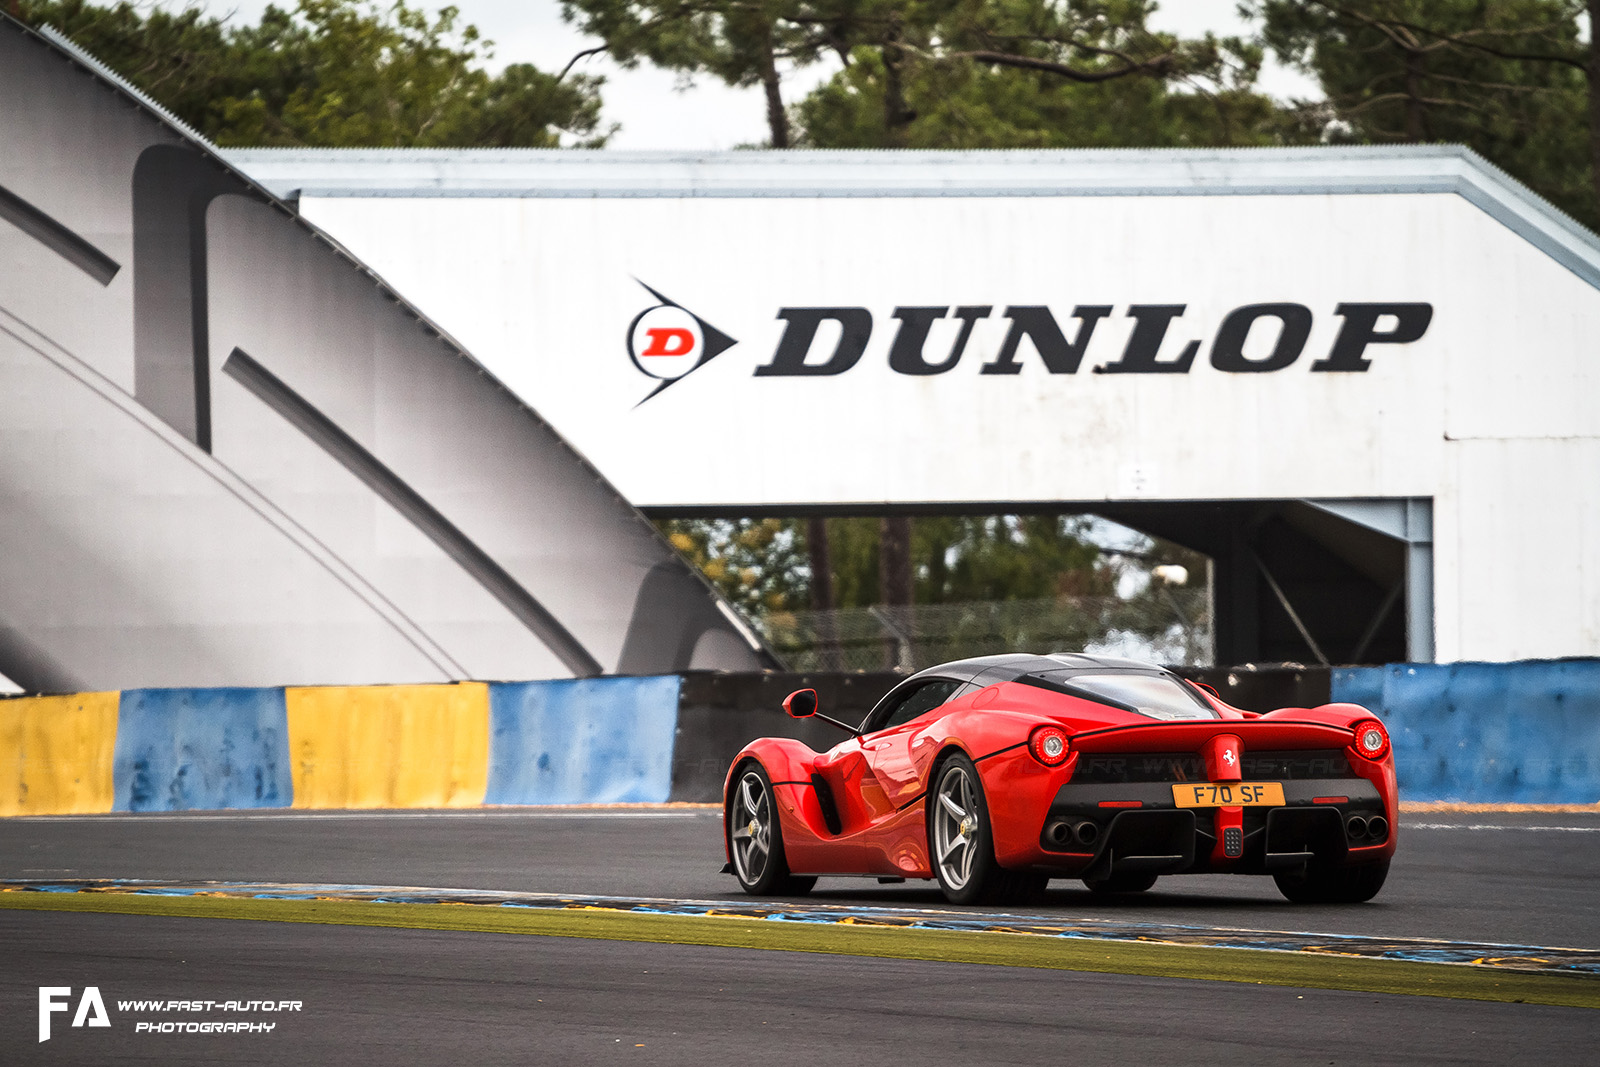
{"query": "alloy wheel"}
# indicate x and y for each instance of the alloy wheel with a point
(955, 827)
(751, 828)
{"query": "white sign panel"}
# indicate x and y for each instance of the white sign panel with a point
(752, 352)
(773, 330)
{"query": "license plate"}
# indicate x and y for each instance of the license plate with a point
(1228, 794)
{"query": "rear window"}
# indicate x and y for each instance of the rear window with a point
(1154, 695)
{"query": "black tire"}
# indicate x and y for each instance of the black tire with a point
(1334, 884)
(961, 842)
(1024, 887)
(1120, 883)
(755, 838)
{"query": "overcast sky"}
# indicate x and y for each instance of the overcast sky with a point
(654, 113)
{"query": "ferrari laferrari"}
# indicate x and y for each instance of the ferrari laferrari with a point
(996, 774)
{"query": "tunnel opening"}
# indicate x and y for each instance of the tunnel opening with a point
(1310, 581)
(1335, 581)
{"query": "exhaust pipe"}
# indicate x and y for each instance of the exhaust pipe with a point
(1378, 827)
(1356, 827)
(1065, 834)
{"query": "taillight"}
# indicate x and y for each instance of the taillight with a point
(1371, 740)
(1049, 745)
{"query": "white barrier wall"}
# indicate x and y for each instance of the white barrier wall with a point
(1003, 328)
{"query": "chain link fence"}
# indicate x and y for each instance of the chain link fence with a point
(1164, 624)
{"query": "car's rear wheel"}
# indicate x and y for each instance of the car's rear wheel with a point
(756, 840)
(1121, 883)
(1331, 884)
(962, 841)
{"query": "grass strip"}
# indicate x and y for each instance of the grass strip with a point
(1153, 959)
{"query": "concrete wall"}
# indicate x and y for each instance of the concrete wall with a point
(1524, 732)
(412, 746)
(718, 714)
(1487, 732)
(260, 464)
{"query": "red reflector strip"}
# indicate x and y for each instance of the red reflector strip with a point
(1330, 800)
(1122, 803)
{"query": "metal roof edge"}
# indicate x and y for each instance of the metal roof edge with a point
(83, 56)
(810, 173)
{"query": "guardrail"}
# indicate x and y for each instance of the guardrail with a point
(1524, 732)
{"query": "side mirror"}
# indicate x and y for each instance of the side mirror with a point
(801, 704)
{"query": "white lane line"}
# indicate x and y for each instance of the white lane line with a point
(156, 817)
(1491, 826)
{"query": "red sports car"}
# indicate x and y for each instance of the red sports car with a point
(996, 774)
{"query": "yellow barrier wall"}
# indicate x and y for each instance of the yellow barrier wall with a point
(402, 746)
(56, 754)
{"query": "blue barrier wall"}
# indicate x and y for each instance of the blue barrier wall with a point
(591, 741)
(1487, 732)
(180, 749)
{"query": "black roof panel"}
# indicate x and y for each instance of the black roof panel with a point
(1010, 666)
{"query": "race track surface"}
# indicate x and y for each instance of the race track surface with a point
(436, 996)
(1531, 879)
(386, 997)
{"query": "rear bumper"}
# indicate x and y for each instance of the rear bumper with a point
(1096, 830)
(1157, 837)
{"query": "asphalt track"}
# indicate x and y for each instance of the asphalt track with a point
(432, 996)
(1514, 884)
